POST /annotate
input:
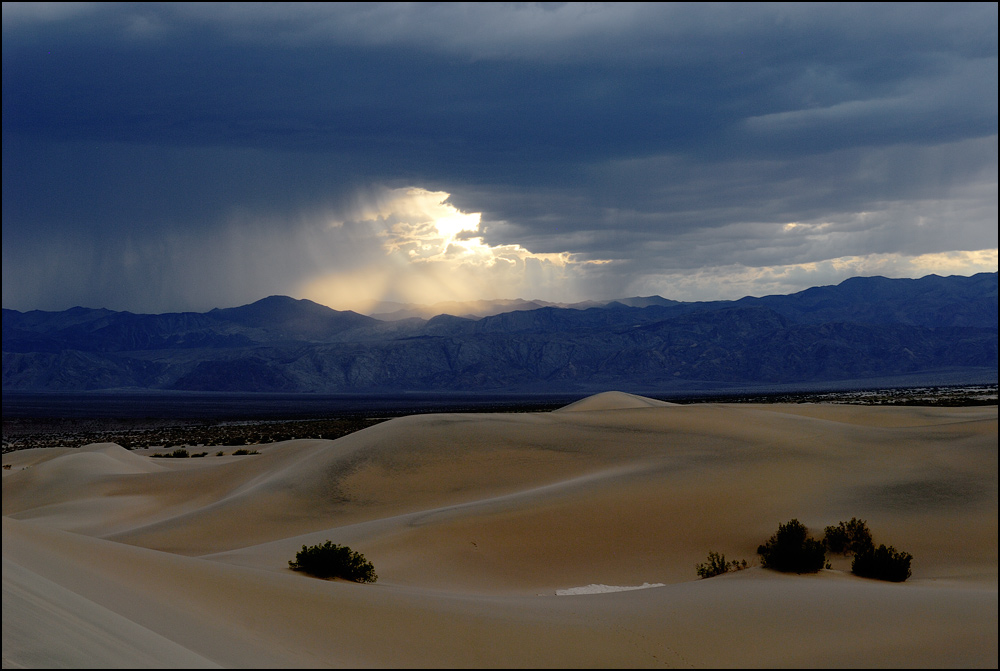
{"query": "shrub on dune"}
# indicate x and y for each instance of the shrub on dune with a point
(179, 453)
(882, 563)
(792, 551)
(333, 561)
(848, 537)
(717, 565)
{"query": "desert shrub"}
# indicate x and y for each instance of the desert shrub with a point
(717, 565)
(882, 563)
(333, 561)
(200, 454)
(848, 537)
(220, 453)
(180, 453)
(791, 550)
(242, 451)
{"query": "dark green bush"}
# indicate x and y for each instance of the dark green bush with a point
(848, 537)
(717, 565)
(882, 563)
(242, 451)
(792, 551)
(333, 561)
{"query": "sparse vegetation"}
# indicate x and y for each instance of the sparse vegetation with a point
(791, 550)
(220, 453)
(21, 434)
(716, 564)
(329, 560)
(179, 453)
(243, 451)
(848, 537)
(882, 563)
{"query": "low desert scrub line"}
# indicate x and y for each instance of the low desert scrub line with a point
(791, 550)
(180, 453)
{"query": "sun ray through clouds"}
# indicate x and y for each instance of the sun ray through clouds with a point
(434, 252)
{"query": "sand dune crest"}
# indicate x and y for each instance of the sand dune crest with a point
(613, 400)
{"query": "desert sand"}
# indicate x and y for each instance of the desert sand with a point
(474, 523)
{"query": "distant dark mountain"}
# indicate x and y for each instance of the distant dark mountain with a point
(930, 301)
(286, 318)
(863, 328)
(273, 319)
(643, 301)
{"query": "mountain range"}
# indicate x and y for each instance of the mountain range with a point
(863, 328)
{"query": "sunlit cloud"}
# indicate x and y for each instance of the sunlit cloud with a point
(736, 281)
(434, 252)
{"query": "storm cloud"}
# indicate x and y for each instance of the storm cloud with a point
(188, 156)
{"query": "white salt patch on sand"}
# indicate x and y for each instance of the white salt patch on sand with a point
(604, 589)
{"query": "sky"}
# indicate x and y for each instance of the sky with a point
(175, 157)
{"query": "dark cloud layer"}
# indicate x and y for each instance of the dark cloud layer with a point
(172, 156)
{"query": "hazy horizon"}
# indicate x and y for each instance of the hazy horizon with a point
(387, 307)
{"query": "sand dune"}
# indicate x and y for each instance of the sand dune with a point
(613, 400)
(474, 522)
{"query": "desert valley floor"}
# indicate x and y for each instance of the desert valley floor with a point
(474, 522)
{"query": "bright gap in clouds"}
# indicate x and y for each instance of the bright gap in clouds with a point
(433, 252)
(734, 281)
(418, 248)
